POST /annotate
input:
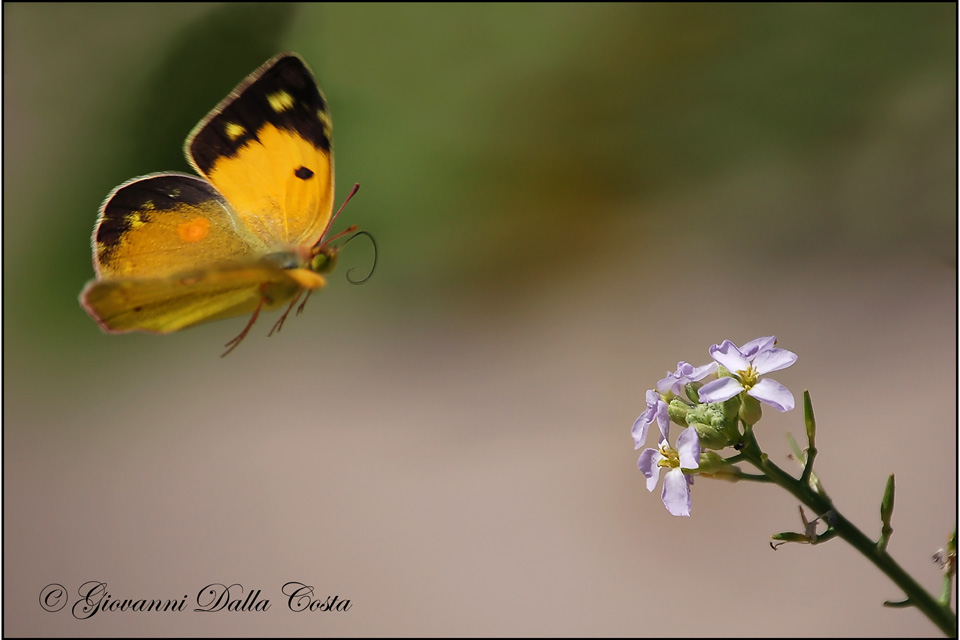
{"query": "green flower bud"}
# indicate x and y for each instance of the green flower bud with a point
(789, 536)
(731, 408)
(708, 414)
(730, 474)
(750, 411)
(710, 437)
(677, 410)
(716, 431)
(713, 464)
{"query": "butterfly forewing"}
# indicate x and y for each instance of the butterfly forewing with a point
(267, 149)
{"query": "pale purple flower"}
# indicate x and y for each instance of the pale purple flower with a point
(747, 364)
(656, 410)
(685, 373)
(676, 484)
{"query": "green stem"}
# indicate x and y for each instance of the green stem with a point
(940, 615)
(949, 570)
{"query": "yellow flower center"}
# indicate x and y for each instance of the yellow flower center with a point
(748, 377)
(671, 458)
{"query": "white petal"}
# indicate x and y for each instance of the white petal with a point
(720, 389)
(699, 373)
(652, 398)
(639, 431)
(774, 394)
(663, 419)
(676, 493)
(752, 348)
(666, 384)
(648, 466)
(774, 360)
(729, 356)
(688, 446)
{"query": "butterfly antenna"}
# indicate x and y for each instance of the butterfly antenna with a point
(349, 229)
(356, 187)
(372, 241)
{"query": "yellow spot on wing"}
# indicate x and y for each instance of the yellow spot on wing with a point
(280, 101)
(234, 130)
(325, 121)
(134, 220)
(195, 230)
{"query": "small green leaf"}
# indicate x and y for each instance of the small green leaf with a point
(886, 513)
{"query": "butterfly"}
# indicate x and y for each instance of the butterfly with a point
(172, 250)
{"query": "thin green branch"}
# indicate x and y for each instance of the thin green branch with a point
(940, 615)
(948, 564)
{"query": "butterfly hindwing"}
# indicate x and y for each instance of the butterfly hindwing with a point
(159, 225)
(162, 305)
(267, 149)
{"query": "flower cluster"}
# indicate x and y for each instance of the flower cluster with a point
(709, 402)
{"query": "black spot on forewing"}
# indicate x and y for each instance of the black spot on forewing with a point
(251, 109)
(303, 173)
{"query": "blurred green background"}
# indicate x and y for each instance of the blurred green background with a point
(567, 200)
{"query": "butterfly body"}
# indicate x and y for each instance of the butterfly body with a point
(172, 250)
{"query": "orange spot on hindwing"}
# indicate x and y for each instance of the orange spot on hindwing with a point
(195, 230)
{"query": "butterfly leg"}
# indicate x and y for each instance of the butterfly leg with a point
(279, 323)
(308, 281)
(304, 303)
(243, 334)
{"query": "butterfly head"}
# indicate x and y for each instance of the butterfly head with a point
(324, 258)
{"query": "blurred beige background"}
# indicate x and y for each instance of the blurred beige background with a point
(568, 199)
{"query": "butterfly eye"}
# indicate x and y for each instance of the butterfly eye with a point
(325, 260)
